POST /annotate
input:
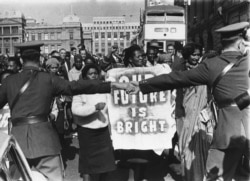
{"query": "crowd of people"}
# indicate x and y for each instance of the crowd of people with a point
(69, 91)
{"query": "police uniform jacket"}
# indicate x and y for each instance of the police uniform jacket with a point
(229, 130)
(40, 139)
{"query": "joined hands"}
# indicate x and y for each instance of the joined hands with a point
(133, 87)
(130, 88)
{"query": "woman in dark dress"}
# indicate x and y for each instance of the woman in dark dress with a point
(96, 156)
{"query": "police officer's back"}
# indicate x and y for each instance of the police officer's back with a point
(29, 113)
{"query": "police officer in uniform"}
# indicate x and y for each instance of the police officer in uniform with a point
(230, 135)
(29, 113)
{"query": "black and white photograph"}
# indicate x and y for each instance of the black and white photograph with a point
(124, 90)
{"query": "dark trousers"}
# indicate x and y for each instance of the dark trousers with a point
(50, 166)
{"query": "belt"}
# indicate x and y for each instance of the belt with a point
(29, 120)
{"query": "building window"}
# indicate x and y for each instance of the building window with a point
(6, 30)
(6, 40)
(15, 40)
(52, 36)
(59, 47)
(71, 35)
(102, 35)
(33, 37)
(121, 35)
(127, 35)
(7, 50)
(46, 36)
(14, 30)
(52, 47)
(96, 35)
(46, 49)
(115, 34)
(122, 44)
(109, 34)
(96, 50)
(59, 34)
(39, 36)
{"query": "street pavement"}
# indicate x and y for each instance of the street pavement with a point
(71, 156)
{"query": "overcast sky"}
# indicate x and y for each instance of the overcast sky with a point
(53, 11)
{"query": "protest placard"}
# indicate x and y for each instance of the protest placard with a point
(140, 121)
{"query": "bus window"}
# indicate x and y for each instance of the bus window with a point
(175, 17)
(155, 17)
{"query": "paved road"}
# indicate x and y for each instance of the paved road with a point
(121, 174)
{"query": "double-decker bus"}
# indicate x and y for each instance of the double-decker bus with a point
(165, 23)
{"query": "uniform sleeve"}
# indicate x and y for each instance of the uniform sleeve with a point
(64, 87)
(3, 95)
(176, 79)
(243, 100)
(81, 107)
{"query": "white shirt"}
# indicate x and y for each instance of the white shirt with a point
(85, 113)
(74, 74)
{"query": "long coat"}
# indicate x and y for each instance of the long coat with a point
(40, 139)
(229, 131)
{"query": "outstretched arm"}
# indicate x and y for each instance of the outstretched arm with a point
(64, 87)
(176, 79)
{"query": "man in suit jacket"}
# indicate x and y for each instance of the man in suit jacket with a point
(231, 135)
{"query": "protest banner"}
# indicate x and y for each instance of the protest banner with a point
(140, 121)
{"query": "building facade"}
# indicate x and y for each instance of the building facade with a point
(204, 17)
(66, 35)
(12, 31)
(107, 31)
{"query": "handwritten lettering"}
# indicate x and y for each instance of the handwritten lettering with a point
(144, 126)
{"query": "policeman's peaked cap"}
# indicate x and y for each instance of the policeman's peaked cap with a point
(233, 31)
(29, 47)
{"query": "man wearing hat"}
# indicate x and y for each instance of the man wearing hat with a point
(231, 132)
(30, 94)
(154, 44)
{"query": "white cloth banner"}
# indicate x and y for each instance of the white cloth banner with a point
(141, 121)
